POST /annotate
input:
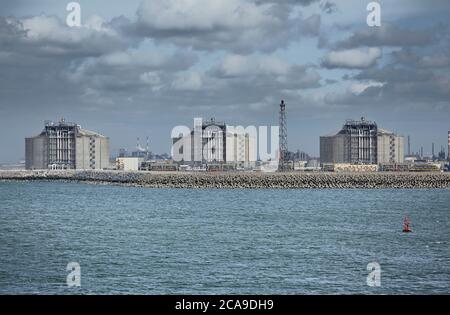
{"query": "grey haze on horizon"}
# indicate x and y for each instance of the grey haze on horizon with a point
(139, 68)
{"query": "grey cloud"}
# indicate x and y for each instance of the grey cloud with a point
(10, 30)
(433, 59)
(236, 78)
(388, 35)
(436, 55)
(48, 36)
(311, 25)
(414, 78)
(331, 81)
(233, 25)
(95, 76)
(128, 71)
(328, 7)
(392, 73)
(409, 84)
(263, 72)
(401, 88)
(291, 2)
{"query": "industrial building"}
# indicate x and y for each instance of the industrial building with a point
(361, 142)
(241, 149)
(65, 145)
(128, 163)
(206, 143)
(213, 142)
(390, 147)
(355, 143)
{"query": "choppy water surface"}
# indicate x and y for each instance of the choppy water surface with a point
(167, 241)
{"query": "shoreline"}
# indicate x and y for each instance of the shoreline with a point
(239, 180)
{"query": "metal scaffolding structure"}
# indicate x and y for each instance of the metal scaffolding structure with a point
(360, 141)
(283, 146)
(213, 141)
(61, 144)
(65, 145)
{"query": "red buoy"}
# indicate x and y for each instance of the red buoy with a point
(406, 228)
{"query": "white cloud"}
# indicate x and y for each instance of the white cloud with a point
(360, 87)
(352, 58)
(50, 28)
(202, 15)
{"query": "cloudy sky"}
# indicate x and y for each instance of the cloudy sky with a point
(138, 68)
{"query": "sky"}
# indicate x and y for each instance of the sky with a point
(139, 68)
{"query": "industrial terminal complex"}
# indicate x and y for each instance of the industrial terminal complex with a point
(361, 142)
(65, 145)
(359, 146)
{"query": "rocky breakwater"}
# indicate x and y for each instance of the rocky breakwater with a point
(241, 179)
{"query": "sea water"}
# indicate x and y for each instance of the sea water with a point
(221, 241)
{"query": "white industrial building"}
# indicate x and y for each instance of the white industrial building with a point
(241, 149)
(128, 163)
(66, 145)
(355, 143)
(390, 147)
(214, 142)
(362, 142)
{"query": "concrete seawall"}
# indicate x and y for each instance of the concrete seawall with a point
(240, 180)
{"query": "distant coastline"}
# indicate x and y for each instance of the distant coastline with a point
(249, 180)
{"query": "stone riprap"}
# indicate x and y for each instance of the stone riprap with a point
(251, 180)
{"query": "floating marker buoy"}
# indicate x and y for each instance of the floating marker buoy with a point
(406, 228)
